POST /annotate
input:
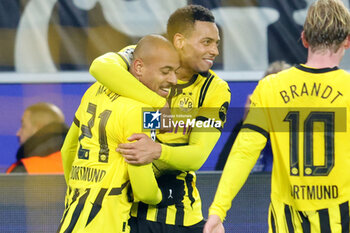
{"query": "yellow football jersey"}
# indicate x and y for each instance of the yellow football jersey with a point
(99, 178)
(205, 98)
(305, 112)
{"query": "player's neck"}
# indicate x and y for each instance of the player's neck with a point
(185, 74)
(324, 59)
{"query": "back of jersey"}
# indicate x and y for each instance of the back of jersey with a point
(99, 174)
(305, 111)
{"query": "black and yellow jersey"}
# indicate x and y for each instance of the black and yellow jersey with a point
(205, 97)
(203, 94)
(97, 176)
(305, 112)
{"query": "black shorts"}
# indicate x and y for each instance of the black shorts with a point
(144, 226)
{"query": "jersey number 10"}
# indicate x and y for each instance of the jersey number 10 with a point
(309, 168)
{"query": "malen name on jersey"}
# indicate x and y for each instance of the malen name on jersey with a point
(314, 192)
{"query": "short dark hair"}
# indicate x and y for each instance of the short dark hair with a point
(183, 19)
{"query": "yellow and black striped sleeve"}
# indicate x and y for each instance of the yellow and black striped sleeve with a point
(111, 69)
(142, 178)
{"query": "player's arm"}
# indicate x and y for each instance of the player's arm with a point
(142, 178)
(189, 157)
(243, 155)
(144, 184)
(111, 69)
(241, 160)
(214, 107)
(70, 145)
(69, 149)
(193, 156)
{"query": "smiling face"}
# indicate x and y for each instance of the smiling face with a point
(198, 48)
(155, 64)
(159, 72)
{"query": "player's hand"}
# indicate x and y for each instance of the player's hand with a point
(214, 225)
(141, 152)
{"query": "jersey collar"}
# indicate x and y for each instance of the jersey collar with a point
(314, 70)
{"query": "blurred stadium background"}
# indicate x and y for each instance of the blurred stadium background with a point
(46, 47)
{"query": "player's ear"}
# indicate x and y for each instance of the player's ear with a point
(138, 66)
(347, 42)
(303, 40)
(178, 40)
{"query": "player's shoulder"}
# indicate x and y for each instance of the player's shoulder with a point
(127, 54)
(214, 90)
(345, 74)
(92, 89)
(212, 79)
(132, 110)
(128, 49)
(217, 82)
(131, 104)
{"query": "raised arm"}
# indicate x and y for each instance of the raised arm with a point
(111, 69)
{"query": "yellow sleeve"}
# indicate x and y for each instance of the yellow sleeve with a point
(243, 156)
(201, 142)
(111, 70)
(69, 149)
(193, 156)
(144, 184)
(70, 145)
(258, 113)
(240, 162)
(142, 178)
